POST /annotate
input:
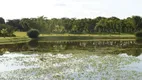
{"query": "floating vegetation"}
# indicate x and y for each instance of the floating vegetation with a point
(69, 66)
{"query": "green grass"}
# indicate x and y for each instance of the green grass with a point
(12, 40)
(20, 37)
(20, 34)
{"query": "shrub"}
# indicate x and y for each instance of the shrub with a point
(138, 34)
(6, 31)
(33, 33)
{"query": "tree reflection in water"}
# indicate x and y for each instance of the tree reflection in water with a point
(131, 47)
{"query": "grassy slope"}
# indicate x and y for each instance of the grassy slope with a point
(20, 37)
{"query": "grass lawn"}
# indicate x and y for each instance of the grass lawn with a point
(20, 37)
(20, 34)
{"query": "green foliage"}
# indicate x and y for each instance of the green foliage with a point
(39, 23)
(25, 23)
(111, 25)
(33, 33)
(137, 20)
(139, 34)
(15, 23)
(6, 30)
(86, 25)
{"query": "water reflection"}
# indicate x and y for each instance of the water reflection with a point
(139, 41)
(131, 47)
(33, 43)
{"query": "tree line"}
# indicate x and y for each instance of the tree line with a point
(111, 25)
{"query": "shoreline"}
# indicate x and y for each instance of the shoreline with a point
(14, 40)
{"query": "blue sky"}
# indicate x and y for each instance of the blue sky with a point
(12, 9)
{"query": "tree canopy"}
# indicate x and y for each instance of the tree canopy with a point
(112, 25)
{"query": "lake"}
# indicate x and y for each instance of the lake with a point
(94, 59)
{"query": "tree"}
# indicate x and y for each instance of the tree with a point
(2, 21)
(40, 23)
(25, 22)
(137, 20)
(128, 25)
(72, 25)
(6, 30)
(58, 29)
(74, 29)
(16, 24)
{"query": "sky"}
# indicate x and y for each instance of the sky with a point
(17, 9)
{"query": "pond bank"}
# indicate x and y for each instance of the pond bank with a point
(64, 37)
(56, 37)
(13, 40)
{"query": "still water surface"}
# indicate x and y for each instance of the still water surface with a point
(72, 60)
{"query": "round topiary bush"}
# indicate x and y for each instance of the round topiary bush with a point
(33, 33)
(138, 34)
